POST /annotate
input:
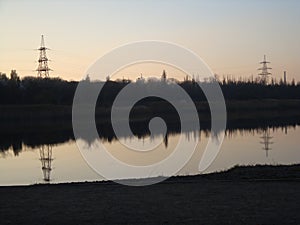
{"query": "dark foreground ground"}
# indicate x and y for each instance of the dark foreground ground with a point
(243, 195)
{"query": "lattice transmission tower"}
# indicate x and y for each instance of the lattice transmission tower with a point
(265, 74)
(46, 159)
(43, 69)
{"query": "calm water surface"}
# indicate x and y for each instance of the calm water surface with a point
(22, 164)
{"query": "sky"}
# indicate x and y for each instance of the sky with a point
(231, 36)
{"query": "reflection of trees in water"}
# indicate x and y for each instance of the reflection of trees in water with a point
(192, 135)
(16, 140)
(216, 136)
(243, 127)
(236, 132)
(14, 144)
(19, 141)
(166, 140)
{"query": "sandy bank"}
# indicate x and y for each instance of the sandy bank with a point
(243, 195)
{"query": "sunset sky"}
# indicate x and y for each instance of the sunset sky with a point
(230, 36)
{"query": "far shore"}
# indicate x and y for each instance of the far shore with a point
(235, 110)
(242, 195)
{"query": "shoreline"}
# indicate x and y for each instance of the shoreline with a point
(258, 172)
(189, 200)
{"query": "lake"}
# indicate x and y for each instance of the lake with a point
(24, 156)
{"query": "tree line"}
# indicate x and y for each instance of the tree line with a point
(56, 91)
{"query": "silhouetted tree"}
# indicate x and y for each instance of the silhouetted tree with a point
(34, 90)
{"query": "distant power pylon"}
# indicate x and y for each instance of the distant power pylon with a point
(43, 69)
(264, 71)
(266, 140)
(46, 159)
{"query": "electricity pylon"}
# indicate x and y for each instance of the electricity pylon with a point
(43, 69)
(264, 74)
